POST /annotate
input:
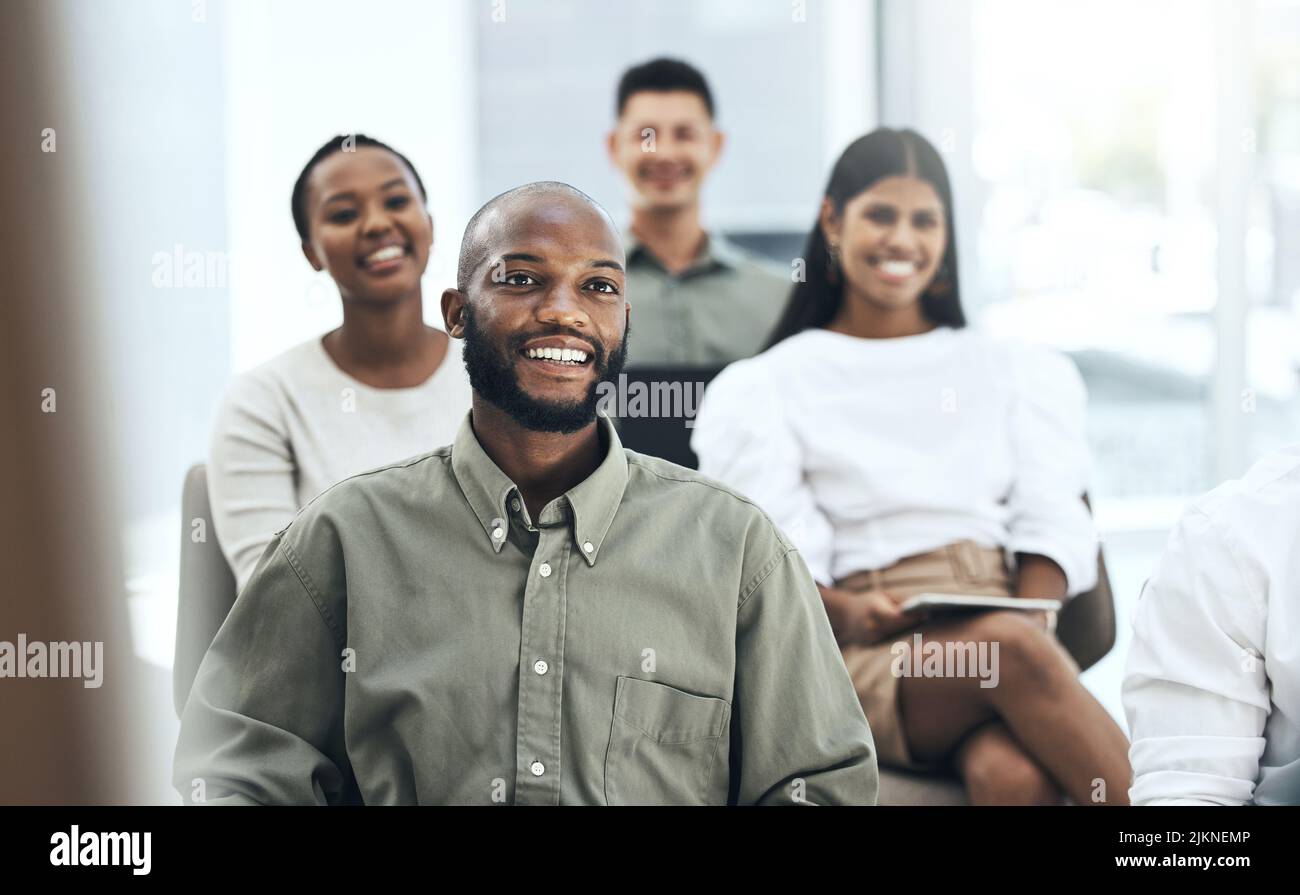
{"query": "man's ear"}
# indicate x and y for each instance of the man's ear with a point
(719, 144)
(453, 312)
(611, 141)
(310, 254)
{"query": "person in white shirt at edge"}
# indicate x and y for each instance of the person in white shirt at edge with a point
(1212, 687)
(380, 388)
(903, 453)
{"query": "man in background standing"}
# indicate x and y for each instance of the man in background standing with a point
(700, 300)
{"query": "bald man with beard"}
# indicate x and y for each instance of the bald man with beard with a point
(533, 614)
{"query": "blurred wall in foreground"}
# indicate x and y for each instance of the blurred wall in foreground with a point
(60, 741)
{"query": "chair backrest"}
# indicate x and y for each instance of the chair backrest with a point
(666, 433)
(207, 585)
(1086, 627)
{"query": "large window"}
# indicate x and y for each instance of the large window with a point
(1094, 147)
(1127, 176)
(1272, 223)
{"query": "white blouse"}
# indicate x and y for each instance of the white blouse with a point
(1212, 687)
(866, 451)
(297, 424)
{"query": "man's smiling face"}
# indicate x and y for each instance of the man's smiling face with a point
(668, 170)
(542, 311)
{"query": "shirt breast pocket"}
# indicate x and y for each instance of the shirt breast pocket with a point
(664, 745)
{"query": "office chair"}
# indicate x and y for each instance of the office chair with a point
(665, 436)
(207, 586)
(1085, 627)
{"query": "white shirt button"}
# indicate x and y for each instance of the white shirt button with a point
(588, 546)
(544, 570)
(537, 768)
(498, 534)
(541, 667)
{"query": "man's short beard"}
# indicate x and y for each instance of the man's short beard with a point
(492, 375)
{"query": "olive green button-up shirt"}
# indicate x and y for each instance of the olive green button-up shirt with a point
(413, 636)
(720, 309)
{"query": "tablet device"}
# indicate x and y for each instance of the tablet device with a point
(969, 602)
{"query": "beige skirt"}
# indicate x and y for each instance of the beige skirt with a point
(961, 568)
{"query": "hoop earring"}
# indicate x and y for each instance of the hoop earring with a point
(941, 286)
(832, 263)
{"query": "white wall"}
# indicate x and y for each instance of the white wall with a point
(145, 82)
(298, 72)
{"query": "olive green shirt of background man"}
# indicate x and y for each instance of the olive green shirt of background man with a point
(722, 308)
(414, 637)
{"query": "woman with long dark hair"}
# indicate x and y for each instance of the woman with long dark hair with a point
(903, 453)
(379, 388)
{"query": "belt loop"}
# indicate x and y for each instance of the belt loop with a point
(959, 571)
(968, 554)
(980, 564)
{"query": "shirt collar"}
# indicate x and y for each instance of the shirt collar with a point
(594, 501)
(718, 252)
